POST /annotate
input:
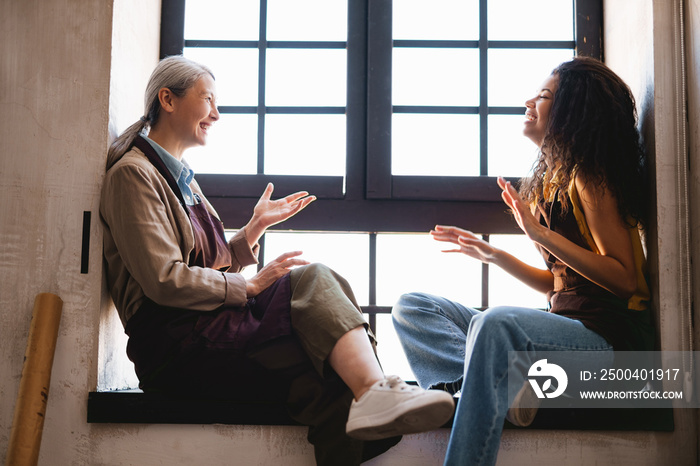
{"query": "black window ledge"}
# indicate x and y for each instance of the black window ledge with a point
(134, 406)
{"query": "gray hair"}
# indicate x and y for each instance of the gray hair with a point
(176, 73)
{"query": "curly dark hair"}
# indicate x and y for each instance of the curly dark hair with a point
(592, 129)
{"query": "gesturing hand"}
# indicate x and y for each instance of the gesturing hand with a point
(268, 212)
(468, 242)
(272, 272)
(521, 210)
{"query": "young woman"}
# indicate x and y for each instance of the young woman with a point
(581, 207)
(293, 332)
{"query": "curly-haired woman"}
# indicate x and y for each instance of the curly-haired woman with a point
(582, 207)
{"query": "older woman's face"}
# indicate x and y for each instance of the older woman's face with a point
(538, 108)
(196, 112)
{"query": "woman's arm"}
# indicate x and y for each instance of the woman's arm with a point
(612, 269)
(147, 247)
(473, 246)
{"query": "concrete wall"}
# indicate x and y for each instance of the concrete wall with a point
(68, 79)
(54, 96)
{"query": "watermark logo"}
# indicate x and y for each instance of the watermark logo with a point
(541, 369)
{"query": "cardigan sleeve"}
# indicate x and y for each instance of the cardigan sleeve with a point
(148, 230)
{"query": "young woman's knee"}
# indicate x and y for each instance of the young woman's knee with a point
(498, 321)
(411, 304)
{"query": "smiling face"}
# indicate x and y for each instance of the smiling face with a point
(195, 112)
(538, 108)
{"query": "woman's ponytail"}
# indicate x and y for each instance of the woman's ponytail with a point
(121, 145)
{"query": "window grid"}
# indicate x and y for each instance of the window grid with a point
(385, 185)
(372, 194)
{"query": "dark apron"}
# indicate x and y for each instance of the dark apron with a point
(177, 349)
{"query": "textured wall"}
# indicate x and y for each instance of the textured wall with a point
(53, 131)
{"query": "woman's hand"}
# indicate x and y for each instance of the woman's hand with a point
(468, 242)
(272, 272)
(521, 210)
(268, 212)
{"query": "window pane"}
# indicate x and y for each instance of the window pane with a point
(436, 20)
(435, 76)
(307, 20)
(306, 77)
(414, 262)
(305, 145)
(435, 145)
(530, 20)
(232, 147)
(222, 19)
(346, 253)
(235, 70)
(510, 152)
(389, 349)
(515, 75)
(506, 290)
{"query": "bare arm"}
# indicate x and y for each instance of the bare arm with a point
(612, 269)
(473, 246)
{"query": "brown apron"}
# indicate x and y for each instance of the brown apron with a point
(173, 347)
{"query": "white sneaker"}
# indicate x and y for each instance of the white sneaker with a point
(524, 408)
(392, 407)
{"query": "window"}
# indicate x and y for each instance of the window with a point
(396, 115)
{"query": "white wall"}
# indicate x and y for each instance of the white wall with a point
(66, 78)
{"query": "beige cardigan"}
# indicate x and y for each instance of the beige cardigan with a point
(148, 239)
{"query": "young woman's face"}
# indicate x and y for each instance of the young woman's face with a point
(537, 113)
(196, 111)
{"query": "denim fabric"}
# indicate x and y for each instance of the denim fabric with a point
(447, 342)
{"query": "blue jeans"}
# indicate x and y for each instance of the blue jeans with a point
(446, 342)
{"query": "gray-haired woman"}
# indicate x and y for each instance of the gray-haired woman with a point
(293, 332)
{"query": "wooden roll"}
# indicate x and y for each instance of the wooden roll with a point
(28, 421)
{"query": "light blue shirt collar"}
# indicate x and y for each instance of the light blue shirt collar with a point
(182, 173)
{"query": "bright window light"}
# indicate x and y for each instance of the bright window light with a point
(530, 20)
(232, 147)
(222, 19)
(435, 76)
(300, 20)
(434, 144)
(414, 262)
(506, 290)
(346, 253)
(436, 20)
(516, 75)
(305, 145)
(511, 155)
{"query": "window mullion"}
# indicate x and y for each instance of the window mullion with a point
(483, 89)
(262, 50)
(588, 21)
(172, 31)
(379, 99)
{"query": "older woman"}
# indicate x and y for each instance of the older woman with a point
(581, 208)
(292, 332)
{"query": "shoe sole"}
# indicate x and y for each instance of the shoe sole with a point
(419, 419)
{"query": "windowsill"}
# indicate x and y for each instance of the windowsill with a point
(134, 406)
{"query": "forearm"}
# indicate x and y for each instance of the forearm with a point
(538, 279)
(254, 231)
(605, 271)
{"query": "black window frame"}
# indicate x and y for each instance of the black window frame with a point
(370, 199)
